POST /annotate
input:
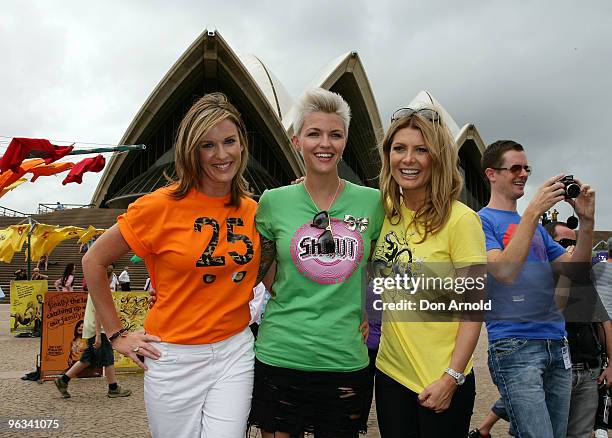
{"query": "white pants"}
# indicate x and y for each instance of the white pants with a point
(200, 390)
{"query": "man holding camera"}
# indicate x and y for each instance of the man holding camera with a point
(529, 358)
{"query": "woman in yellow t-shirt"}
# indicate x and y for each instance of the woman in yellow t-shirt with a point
(201, 248)
(424, 383)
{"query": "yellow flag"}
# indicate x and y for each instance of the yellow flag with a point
(7, 189)
(46, 237)
(90, 233)
(12, 240)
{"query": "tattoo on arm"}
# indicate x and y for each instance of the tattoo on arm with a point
(268, 255)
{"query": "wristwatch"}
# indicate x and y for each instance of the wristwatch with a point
(459, 377)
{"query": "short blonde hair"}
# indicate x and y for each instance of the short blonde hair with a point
(204, 114)
(318, 100)
(446, 181)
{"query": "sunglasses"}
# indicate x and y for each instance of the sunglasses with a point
(428, 113)
(326, 239)
(516, 169)
(566, 243)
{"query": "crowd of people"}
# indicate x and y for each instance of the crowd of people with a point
(318, 358)
(66, 282)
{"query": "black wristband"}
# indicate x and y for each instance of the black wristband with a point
(117, 334)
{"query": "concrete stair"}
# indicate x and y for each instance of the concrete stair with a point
(68, 250)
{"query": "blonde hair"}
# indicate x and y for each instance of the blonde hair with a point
(203, 115)
(445, 184)
(319, 100)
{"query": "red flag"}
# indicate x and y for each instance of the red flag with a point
(94, 164)
(19, 149)
(50, 169)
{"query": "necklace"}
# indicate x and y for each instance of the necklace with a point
(333, 199)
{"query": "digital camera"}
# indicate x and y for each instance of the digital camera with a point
(572, 189)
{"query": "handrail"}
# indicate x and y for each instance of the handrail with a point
(48, 208)
(9, 212)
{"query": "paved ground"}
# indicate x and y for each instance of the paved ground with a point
(89, 413)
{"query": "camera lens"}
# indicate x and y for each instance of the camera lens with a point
(572, 190)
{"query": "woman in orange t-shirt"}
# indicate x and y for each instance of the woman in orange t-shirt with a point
(201, 247)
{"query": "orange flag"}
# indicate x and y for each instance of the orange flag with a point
(50, 169)
(7, 189)
(9, 177)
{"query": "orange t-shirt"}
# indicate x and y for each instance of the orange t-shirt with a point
(202, 257)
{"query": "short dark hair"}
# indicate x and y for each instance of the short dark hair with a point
(551, 227)
(492, 156)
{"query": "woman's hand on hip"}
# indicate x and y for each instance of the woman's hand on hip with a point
(137, 344)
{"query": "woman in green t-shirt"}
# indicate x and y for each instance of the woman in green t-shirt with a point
(424, 383)
(311, 360)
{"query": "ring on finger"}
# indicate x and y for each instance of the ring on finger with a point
(135, 349)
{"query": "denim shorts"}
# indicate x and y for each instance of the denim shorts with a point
(102, 357)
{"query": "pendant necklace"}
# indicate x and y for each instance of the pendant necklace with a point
(333, 199)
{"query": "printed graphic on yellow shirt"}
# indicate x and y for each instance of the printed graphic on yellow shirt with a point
(394, 256)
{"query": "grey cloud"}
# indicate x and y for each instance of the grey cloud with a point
(536, 72)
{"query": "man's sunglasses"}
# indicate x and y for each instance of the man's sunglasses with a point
(516, 169)
(566, 243)
(326, 239)
(428, 113)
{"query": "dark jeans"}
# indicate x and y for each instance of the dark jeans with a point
(125, 287)
(401, 416)
(369, 390)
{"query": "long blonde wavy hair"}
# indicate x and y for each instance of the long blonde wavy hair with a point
(203, 115)
(445, 184)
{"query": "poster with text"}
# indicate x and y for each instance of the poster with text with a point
(132, 309)
(27, 299)
(62, 329)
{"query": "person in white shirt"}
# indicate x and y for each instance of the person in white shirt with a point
(113, 280)
(124, 280)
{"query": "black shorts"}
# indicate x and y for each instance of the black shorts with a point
(102, 357)
(328, 404)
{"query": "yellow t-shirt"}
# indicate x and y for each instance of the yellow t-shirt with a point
(416, 353)
(89, 321)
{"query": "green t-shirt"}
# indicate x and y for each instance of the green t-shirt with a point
(312, 321)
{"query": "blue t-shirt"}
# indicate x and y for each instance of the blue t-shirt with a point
(525, 308)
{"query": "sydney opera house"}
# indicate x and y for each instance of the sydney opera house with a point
(210, 64)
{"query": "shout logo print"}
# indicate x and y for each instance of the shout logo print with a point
(326, 268)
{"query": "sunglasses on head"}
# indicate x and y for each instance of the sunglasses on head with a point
(326, 239)
(428, 113)
(516, 169)
(566, 243)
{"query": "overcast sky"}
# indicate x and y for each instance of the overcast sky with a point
(537, 72)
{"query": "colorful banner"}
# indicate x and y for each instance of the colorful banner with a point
(46, 237)
(90, 233)
(62, 330)
(132, 308)
(12, 240)
(9, 177)
(10, 187)
(50, 169)
(27, 299)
